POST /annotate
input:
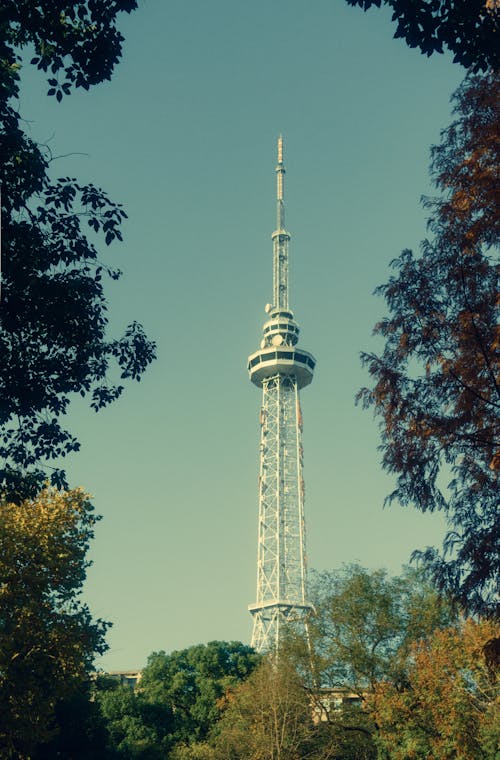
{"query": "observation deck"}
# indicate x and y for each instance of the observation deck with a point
(281, 361)
(278, 354)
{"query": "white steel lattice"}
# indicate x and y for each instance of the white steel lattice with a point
(281, 568)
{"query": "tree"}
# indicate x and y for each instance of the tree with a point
(362, 633)
(48, 639)
(312, 700)
(450, 707)
(270, 717)
(366, 623)
(136, 727)
(79, 729)
(437, 382)
(468, 28)
(53, 311)
(192, 683)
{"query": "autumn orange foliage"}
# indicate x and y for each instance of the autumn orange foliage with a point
(450, 708)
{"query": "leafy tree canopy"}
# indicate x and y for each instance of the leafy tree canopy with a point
(270, 717)
(192, 683)
(53, 311)
(366, 622)
(136, 727)
(365, 625)
(77, 41)
(450, 706)
(437, 383)
(48, 638)
(468, 28)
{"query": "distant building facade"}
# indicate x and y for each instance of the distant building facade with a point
(128, 678)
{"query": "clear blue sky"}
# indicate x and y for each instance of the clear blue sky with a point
(184, 135)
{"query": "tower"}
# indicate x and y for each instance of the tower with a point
(281, 369)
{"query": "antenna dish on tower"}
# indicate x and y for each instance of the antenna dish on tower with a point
(268, 307)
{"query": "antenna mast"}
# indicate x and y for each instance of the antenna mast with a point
(280, 238)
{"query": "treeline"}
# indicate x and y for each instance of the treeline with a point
(389, 669)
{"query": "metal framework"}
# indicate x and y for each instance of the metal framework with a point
(280, 369)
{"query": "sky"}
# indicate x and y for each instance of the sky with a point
(185, 137)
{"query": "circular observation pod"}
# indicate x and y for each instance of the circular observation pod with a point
(281, 325)
(281, 361)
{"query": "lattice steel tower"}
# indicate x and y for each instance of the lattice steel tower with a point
(280, 369)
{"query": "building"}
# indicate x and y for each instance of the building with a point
(128, 678)
(328, 702)
(281, 370)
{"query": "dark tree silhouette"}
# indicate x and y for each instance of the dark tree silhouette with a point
(437, 383)
(468, 28)
(53, 340)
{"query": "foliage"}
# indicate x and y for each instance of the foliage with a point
(178, 702)
(269, 717)
(136, 727)
(53, 340)
(436, 384)
(79, 729)
(195, 751)
(366, 623)
(192, 684)
(78, 41)
(469, 29)
(362, 633)
(48, 638)
(450, 707)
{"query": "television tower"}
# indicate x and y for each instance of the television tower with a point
(281, 370)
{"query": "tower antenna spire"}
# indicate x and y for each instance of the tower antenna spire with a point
(280, 183)
(280, 237)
